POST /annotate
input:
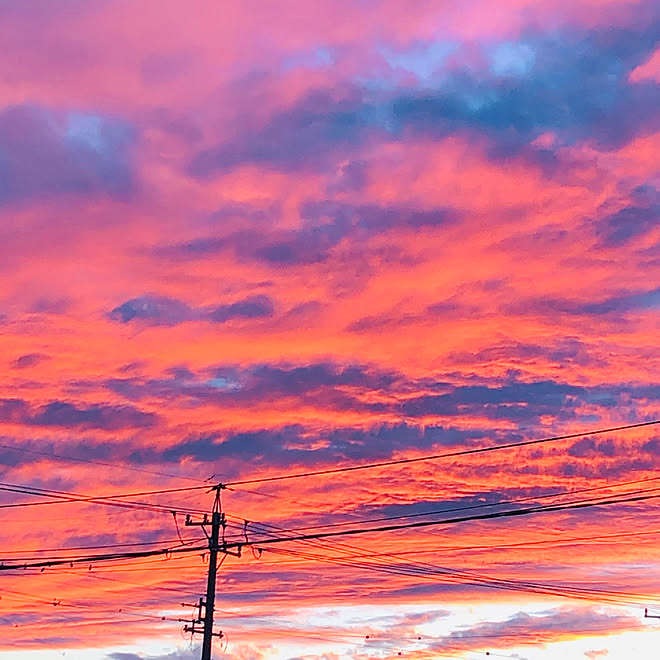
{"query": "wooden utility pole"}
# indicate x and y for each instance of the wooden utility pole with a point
(217, 522)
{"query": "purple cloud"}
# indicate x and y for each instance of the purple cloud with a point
(155, 310)
(47, 154)
(66, 415)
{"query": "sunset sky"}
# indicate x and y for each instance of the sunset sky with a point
(244, 240)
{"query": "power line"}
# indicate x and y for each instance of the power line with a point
(572, 540)
(446, 521)
(73, 459)
(90, 559)
(422, 570)
(105, 546)
(30, 598)
(429, 571)
(483, 505)
(426, 570)
(113, 495)
(462, 452)
(599, 500)
(412, 569)
(115, 500)
(161, 587)
(475, 506)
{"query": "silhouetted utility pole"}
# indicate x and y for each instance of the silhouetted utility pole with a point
(217, 522)
(650, 616)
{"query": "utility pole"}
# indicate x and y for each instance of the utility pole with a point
(217, 522)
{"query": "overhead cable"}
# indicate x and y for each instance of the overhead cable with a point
(432, 457)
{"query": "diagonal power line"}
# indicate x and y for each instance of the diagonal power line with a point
(432, 457)
(445, 521)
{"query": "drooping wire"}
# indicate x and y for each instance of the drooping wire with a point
(484, 505)
(89, 559)
(74, 459)
(447, 521)
(433, 457)
(119, 500)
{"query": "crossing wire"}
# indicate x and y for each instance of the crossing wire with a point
(446, 521)
(579, 504)
(74, 459)
(483, 505)
(89, 559)
(115, 500)
(432, 457)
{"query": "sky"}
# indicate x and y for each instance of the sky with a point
(261, 238)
